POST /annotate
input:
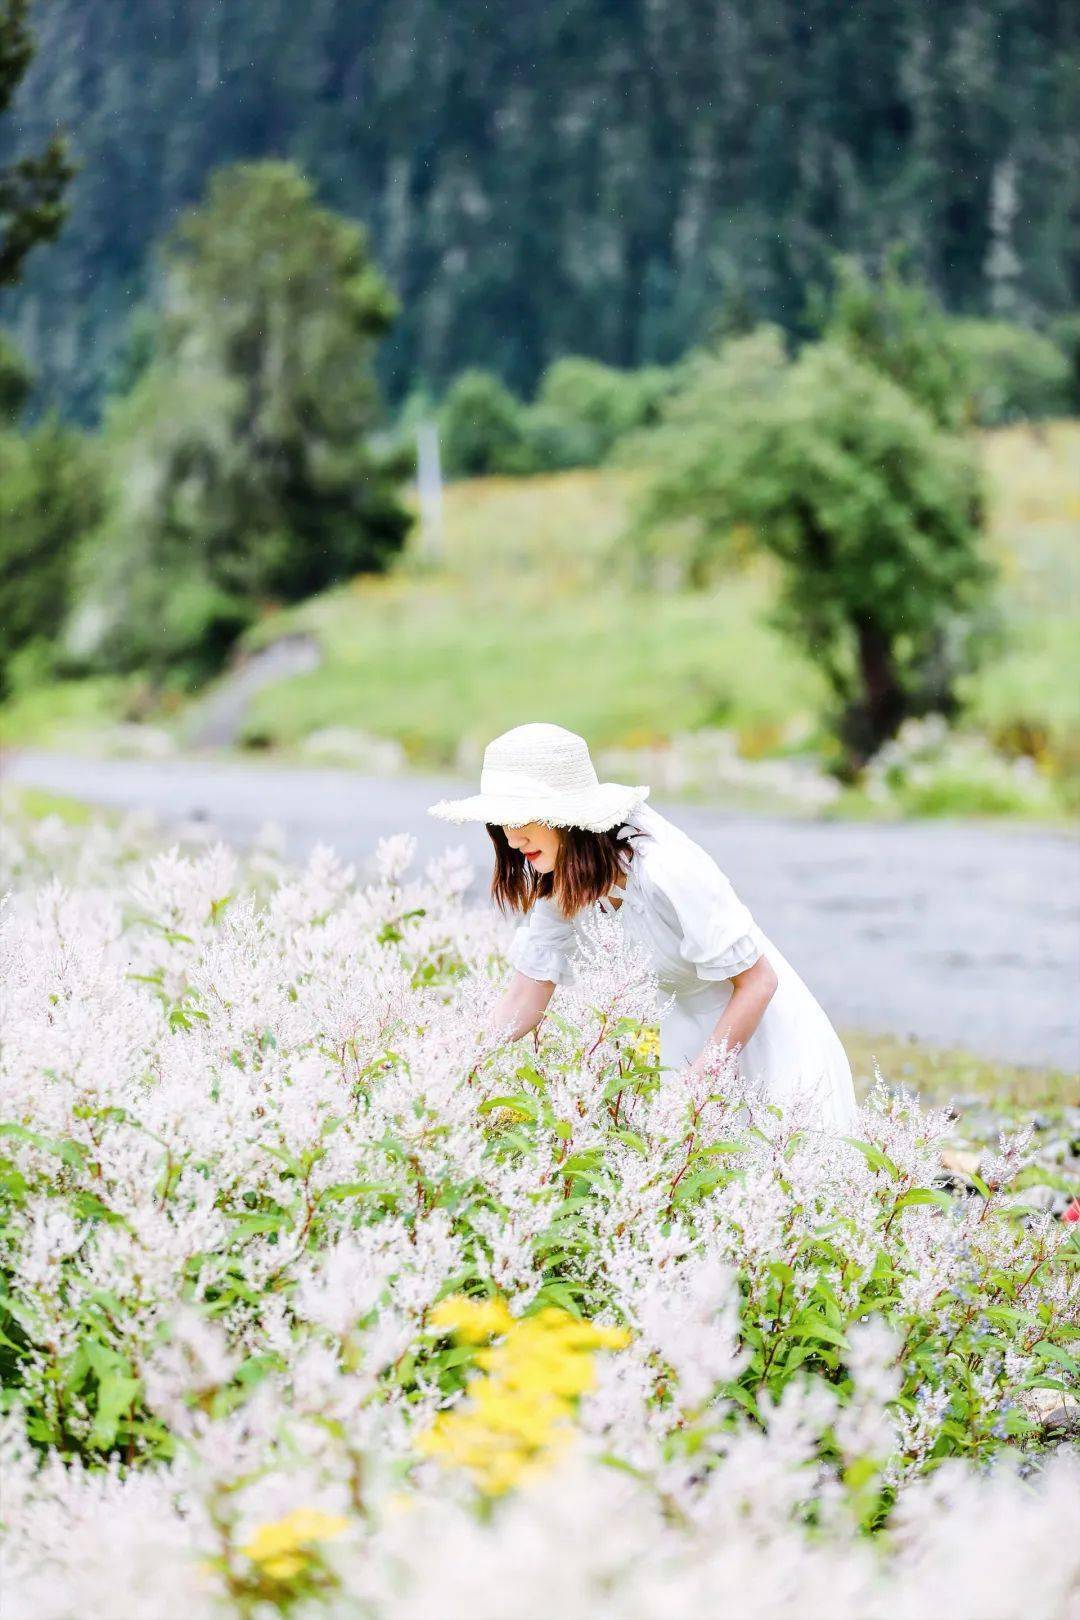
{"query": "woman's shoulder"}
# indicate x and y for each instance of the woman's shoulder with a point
(663, 847)
(669, 862)
(545, 913)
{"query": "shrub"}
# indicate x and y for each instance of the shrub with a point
(1010, 373)
(893, 323)
(481, 428)
(929, 770)
(310, 1286)
(583, 408)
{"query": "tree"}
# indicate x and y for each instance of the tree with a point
(32, 188)
(242, 465)
(893, 323)
(583, 409)
(585, 178)
(50, 497)
(960, 370)
(871, 509)
(481, 428)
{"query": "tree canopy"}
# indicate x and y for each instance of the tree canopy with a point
(241, 465)
(871, 508)
(561, 177)
(32, 184)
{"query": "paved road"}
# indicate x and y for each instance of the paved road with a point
(961, 935)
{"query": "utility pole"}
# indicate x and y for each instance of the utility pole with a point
(429, 489)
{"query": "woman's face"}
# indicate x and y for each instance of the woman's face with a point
(539, 844)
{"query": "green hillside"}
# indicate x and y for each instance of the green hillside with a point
(526, 615)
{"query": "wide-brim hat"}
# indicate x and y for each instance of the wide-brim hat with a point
(539, 772)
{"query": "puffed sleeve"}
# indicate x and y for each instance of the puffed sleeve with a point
(715, 932)
(542, 946)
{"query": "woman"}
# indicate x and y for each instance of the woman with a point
(565, 842)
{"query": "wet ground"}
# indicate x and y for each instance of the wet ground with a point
(958, 934)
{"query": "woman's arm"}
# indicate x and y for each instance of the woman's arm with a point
(520, 1007)
(753, 991)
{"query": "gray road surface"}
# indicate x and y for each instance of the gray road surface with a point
(960, 935)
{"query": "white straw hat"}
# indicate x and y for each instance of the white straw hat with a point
(542, 773)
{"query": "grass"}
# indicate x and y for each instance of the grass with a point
(34, 804)
(939, 1074)
(433, 662)
(526, 614)
(41, 716)
(1031, 694)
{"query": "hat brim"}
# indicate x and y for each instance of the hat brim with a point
(596, 810)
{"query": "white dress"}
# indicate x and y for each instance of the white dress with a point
(680, 906)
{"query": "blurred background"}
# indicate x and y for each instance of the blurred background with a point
(704, 378)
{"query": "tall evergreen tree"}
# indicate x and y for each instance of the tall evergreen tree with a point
(242, 466)
(32, 186)
(549, 177)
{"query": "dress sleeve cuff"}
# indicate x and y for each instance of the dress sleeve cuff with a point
(741, 954)
(538, 960)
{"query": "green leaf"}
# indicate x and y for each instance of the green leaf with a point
(116, 1392)
(352, 1189)
(925, 1195)
(874, 1157)
(247, 1225)
(1053, 1352)
(807, 1326)
(631, 1138)
(524, 1106)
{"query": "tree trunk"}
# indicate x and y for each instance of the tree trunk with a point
(874, 717)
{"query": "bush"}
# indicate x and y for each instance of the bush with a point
(582, 409)
(309, 1291)
(893, 323)
(481, 428)
(929, 770)
(1010, 373)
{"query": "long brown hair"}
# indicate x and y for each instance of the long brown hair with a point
(586, 867)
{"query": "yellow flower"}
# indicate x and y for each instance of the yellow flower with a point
(282, 1549)
(472, 1320)
(519, 1415)
(647, 1046)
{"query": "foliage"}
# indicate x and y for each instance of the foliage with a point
(241, 471)
(1011, 374)
(276, 1227)
(582, 409)
(480, 427)
(15, 382)
(871, 509)
(32, 206)
(50, 498)
(961, 370)
(893, 323)
(928, 770)
(594, 180)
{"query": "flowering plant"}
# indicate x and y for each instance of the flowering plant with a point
(306, 1306)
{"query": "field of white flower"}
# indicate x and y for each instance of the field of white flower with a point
(314, 1304)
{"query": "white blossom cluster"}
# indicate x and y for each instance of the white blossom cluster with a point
(252, 1134)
